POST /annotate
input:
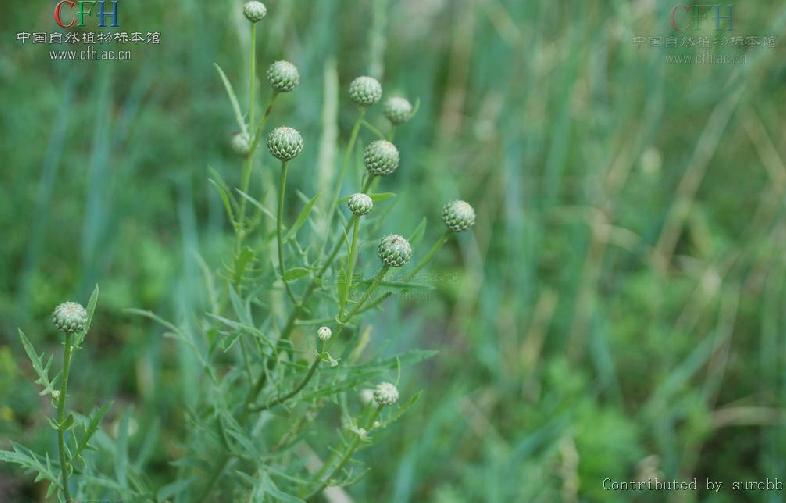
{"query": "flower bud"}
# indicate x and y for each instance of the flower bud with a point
(360, 204)
(380, 158)
(385, 394)
(254, 11)
(398, 110)
(324, 334)
(394, 250)
(285, 143)
(283, 76)
(458, 215)
(365, 91)
(241, 144)
(70, 317)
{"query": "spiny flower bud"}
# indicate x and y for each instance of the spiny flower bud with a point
(365, 91)
(380, 157)
(254, 11)
(70, 317)
(285, 143)
(458, 215)
(324, 334)
(398, 110)
(283, 76)
(360, 204)
(241, 144)
(385, 394)
(394, 250)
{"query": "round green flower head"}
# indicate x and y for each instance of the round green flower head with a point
(398, 110)
(394, 250)
(385, 394)
(254, 11)
(365, 91)
(70, 317)
(285, 143)
(241, 144)
(380, 157)
(458, 215)
(324, 334)
(360, 204)
(283, 76)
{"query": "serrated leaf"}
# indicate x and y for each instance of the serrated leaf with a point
(96, 416)
(67, 423)
(405, 407)
(40, 367)
(233, 99)
(301, 218)
(242, 261)
(296, 273)
(30, 461)
(266, 487)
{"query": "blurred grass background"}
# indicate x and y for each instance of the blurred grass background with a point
(617, 311)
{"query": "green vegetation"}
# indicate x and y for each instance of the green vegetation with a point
(615, 311)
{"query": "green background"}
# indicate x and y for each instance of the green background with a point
(617, 311)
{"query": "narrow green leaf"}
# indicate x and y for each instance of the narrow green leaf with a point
(173, 489)
(256, 204)
(41, 368)
(67, 423)
(95, 421)
(418, 233)
(301, 218)
(121, 451)
(91, 309)
(296, 273)
(233, 99)
(382, 196)
(223, 192)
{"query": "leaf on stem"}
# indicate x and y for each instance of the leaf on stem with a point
(91, 309)
(296, 273)
(40, 366)
(301, 218)
(233, 99)
(418, 233)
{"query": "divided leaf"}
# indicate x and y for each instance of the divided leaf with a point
(40, 366)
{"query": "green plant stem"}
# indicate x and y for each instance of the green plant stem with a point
(428, 256)
(367, 182)
(283, 398)
(61, 403)
(344, 166)
(258, 134)
(245, 178)
(280, 231)
(366, 295)
(342, 461)
(351, 259)
(374, 130)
